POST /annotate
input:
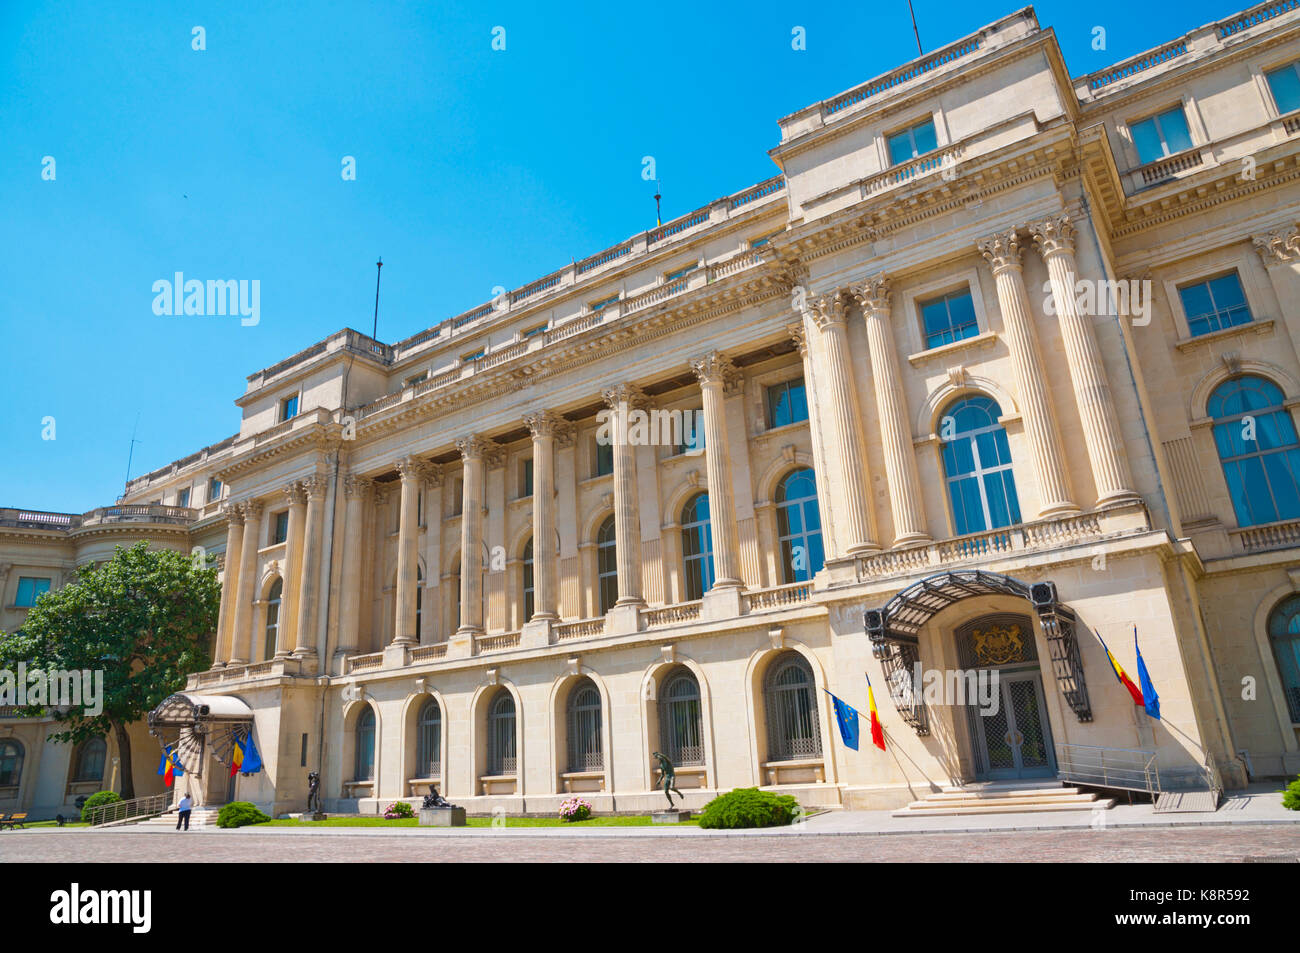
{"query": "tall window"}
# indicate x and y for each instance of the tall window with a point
(789, 693)
(1214, 304)
(11, 762)
(30, 589)
(787, 403)
(273, 601)
(428, 741)
(214, 489)
(280, 529)
(604, 456)
(680, 730)
(1284, 633)
(289, 408)
(799, 525)
(526, 477)
(1285, 85)
(583, 718)
(949, 318)
(1257, 446)
(607, 565)
(501, 757)
(697, 546)
(692, 432)
(529, 587)
(1161, 135)
(910, 143)
(977, 465)
(183, 497)
(89, 765)
(363, 768)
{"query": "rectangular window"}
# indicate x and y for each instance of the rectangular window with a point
(1285, 86)
(948, 319)
(472, 357)
(760, 242)
(681, 272)
(1214, 304)
(692, 435)
(458, 501)
(1161, 135)
(280, 532)
(604, 457)
(532, 332)
(183, 497)
(29, 589)
(603, 303)
(214, 489)
(526, 477)
(787, 403)
(302, 756)
(289, 408)
(917, 141)
(414, 379)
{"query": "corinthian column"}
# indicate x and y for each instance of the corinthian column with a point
(242, 647)
(294, 536)
(891, 405)
(305, 643)
(357, 490)
(545, 570)
(717, 375)
(225, 648)
(1002, 251)
(472, 450)
(845, 428)
(622, 400)
(408, 538)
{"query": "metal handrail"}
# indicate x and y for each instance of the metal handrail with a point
(148, 806)
(1133, 769)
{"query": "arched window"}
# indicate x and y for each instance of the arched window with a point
(585, 750)
(89, 765)
(529, 587)
(607, 565)
(1257, 446)
(11, 762)
(364, 763)
(697, 546)
(799, 524)
(273, 617)
(428, 741)
(680, 730)
(501, 758)
(793, 731)
(1284, 633)
(977, 465)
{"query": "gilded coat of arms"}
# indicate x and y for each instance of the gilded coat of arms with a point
(998, 644)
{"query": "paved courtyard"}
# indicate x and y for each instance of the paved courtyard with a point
(1213, 844)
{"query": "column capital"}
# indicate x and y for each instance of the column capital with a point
(315, 487)
(625, 395)
(828, 310)
(295, 493)
(1279, 246)
(411, 467)
(1002, 251)
(716, 368)
(252, 509)
(433, 474)
(872, 294)
(544, 423)
(796, 332)
(234, 512)
(357, 486)
(474, 447)
(1054, 235)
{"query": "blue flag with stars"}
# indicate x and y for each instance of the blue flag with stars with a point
(846, 716)
(1150, 700)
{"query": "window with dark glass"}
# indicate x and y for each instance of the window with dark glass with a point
(680, 730)
(1214, 304)
(428, 745)
(11, 762)
(1284, 83)
(501, 756)
(789, 694)
(529, 587)
(584, 733)
(912, 142)
(89, 765)
(604, 454)
(363, 764)
(691, 433)
(697, 546)
(949, 318)
(526, 477)
(1284, 633)
(280, 528)
(273, 601)
(607, 565)
(787, 403)
(289, 408)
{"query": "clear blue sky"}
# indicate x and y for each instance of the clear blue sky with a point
(474, 167)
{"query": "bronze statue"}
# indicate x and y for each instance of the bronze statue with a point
(434, 799)
(669, 778)
(313, 793)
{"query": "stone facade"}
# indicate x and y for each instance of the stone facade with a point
(435, 517)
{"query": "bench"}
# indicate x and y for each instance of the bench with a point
(14, 821)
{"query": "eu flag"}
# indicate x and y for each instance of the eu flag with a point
(252, 760)
(1150, 698)
(847, 718)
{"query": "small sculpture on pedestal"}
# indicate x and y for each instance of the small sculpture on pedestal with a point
(313, 793)
(669, 782)
(437, 811)
(434, 799)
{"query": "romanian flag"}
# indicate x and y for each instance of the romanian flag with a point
(877, 729)
(237, 756)
(169, 767)
(1152, 700)
(847, 718)
(1122, 675)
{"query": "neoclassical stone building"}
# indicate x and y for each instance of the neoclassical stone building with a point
(1001, 358)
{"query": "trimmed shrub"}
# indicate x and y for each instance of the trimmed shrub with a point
(398, 809)
(95, 800)
(240, 813)
(1291, 796)
(749, 807)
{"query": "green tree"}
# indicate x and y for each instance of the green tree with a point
(144, 618)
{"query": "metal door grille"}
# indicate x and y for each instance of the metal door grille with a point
(428, 749)
(585, 753)
(793, 731)
(501, 735)
(679, 721)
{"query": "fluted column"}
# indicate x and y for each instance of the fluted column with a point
(408, 538)
(1002, 251)
(472, 450)
(622, 400)
(305, 643)
(545, 567)
(891, 406)
(846, 429)
(716, 375)
(229, 584)
(1110, 471)
(357, 489)
(242, 644)
(294, 538)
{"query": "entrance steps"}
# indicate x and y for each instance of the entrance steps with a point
(1005, 798)
(200, 817)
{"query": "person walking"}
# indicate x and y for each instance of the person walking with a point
(183, 812)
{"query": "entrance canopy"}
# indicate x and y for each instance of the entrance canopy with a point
(894, 633)
(191, 725)
(187, 710)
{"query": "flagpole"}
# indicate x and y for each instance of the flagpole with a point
(914, 29)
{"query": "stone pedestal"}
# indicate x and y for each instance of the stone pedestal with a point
(308, 817)
(442, 817)
(674, 816)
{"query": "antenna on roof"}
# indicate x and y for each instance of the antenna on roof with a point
(914, 29)
(131, 452)
(379, 266)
